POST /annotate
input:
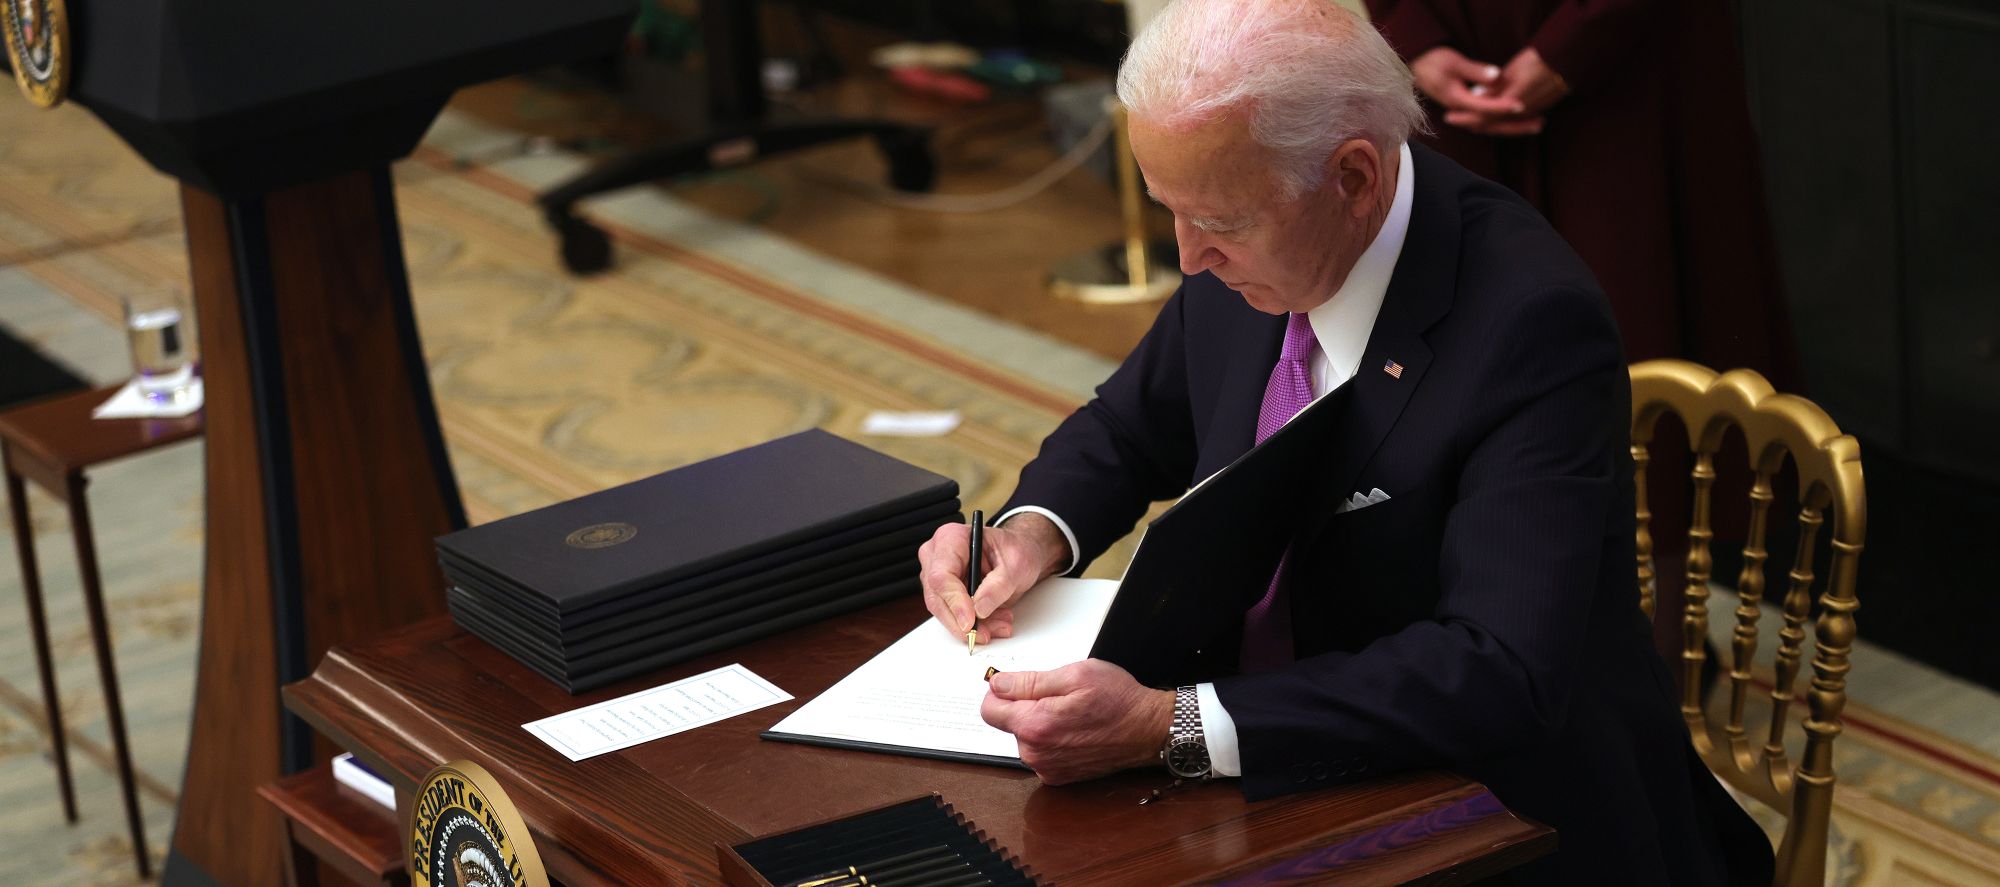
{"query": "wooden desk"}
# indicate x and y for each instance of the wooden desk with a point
(652, 814)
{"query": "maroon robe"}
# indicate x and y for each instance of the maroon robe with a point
(1648, 167)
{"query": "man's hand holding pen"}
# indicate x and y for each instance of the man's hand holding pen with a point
(1014, 558)
(1073, 723)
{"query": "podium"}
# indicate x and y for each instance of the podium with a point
(327, 476)
(656, 813)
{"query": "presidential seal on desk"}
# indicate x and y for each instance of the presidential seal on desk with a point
(465, 833)
(38, 47)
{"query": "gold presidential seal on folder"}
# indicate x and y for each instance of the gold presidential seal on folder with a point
(37, 34)
(601, 535)
(465, 833)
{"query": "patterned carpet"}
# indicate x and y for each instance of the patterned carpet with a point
(710, 336)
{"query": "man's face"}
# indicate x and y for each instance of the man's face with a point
(1229, 217)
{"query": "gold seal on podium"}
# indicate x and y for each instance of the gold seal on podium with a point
(465, 833)
(38, 48)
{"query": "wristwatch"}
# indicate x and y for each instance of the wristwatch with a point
(1186, 750)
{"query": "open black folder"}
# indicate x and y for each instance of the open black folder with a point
(1212, 555)
(1199, 566)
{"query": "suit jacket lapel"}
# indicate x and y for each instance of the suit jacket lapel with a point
(1420, 292)
(1240, 395)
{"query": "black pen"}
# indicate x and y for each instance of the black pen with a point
(972, 578)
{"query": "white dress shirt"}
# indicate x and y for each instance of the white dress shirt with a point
(1341, 325)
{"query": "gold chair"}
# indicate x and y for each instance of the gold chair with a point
(1829, 471)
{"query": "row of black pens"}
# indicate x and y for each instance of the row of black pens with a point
(938, 866)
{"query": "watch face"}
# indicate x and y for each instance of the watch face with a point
(1187, 756)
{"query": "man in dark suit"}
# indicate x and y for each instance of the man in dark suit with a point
(1470, 604)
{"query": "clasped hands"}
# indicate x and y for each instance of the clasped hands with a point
(1073, 723)
(1489, 99)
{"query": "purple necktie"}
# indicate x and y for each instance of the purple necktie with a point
(1267, 625)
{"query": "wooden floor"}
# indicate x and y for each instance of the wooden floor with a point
(995, 262)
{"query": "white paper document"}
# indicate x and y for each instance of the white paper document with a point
(662, 711)
(922, 694)
(129, 403)
(356, 775)
(888, 423)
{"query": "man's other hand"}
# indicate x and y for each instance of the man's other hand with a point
(1026, 551)
(1080, 721)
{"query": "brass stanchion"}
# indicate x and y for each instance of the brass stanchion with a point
(1118, 273)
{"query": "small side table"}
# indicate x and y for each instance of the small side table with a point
(49, 443)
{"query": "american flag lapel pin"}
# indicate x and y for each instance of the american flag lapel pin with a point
(1394, 369)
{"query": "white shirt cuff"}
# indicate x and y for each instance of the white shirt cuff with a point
(1218, 729)
(1067, 535)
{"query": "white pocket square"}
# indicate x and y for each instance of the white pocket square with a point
(1359, 501)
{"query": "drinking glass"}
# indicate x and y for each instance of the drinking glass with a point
(159, 325)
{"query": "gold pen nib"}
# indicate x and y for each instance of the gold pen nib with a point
(971, 638)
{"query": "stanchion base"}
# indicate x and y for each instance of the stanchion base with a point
(1099, 277)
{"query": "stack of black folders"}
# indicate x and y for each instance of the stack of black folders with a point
(921, 842)
(697, 559)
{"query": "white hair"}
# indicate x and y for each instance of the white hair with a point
(1311, 75)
